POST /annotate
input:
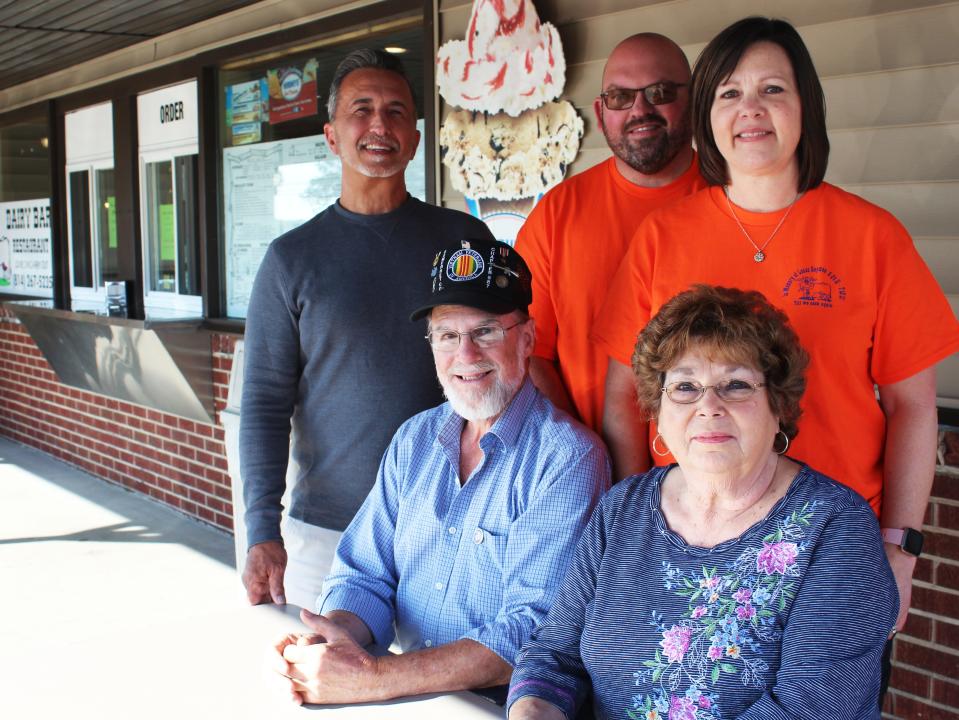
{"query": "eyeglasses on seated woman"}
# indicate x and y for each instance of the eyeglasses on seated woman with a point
(735, 583)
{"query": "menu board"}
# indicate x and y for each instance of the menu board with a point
(270, 188)
(26, 260)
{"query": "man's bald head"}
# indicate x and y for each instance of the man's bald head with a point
(651, 142)
(648, 44)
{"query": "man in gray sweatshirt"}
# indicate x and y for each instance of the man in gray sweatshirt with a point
(329, 350)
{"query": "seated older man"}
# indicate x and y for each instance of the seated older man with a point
(458, 550)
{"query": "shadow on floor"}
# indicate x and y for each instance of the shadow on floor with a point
(144, 519)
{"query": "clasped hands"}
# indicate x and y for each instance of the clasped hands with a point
(327, 665)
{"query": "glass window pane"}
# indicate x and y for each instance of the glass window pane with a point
(160, 232)
(24, 162)
(276, 169)
(187, 225)
(80, 229)
(106, 228)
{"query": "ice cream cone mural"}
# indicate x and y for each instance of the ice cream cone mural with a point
(509, 141)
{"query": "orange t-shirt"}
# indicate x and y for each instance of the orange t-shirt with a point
(573, 242)
(862, 301)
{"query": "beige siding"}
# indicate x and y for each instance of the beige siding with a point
(890, 70)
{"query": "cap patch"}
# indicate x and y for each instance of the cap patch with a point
(464, 265)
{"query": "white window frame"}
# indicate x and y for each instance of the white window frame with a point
(155, 301)
(87, 298)
(89, 147)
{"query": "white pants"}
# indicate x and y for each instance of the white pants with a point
(310, 550)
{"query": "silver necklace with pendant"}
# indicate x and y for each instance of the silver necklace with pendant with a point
(760, 251)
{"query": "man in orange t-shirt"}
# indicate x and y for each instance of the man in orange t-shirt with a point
(864, 304)
(578, 233)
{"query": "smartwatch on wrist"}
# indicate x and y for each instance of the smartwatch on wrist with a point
(909, 540)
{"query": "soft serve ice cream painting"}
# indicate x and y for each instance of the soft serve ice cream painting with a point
(509, 141)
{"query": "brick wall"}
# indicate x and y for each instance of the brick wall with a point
(183, 463)
(176, 461)
(925, 680)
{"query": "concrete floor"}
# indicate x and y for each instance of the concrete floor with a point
(114, 607)
(109, 600)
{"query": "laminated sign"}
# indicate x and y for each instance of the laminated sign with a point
(292, 92)
(26, 261)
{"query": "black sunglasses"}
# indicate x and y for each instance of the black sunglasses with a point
(661, 93)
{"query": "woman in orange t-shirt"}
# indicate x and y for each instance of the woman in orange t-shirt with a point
(846, 273)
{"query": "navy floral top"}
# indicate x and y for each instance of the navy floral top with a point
(788, 620)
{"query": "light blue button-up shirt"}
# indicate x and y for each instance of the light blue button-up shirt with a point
(443, 560)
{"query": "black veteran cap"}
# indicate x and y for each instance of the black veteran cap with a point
(481, 274)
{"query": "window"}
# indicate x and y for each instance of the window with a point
(168, 136)
(277, 171)
(26, 259)
(170, 225)
(91, 205)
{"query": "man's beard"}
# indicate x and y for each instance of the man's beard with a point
(480, 405)
(390, 167)
(649, 155)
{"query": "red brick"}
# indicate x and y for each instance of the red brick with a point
(918, 626)
(204, 429)
(941, 545)
(927, 658)
(171, 499)
(910, 681)
(935, 601)
(951, 442)
(947, 635)
(946, 692)
(215, 475)
(948, 516)
(946, 486)
(909, 709)
(947, 575)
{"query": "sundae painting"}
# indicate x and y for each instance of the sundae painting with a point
(509, 141)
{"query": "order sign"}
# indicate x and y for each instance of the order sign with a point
(26, 260)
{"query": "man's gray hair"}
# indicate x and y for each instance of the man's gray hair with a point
(359, 60)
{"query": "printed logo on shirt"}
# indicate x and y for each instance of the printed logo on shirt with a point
(464, 265)
(815, 286)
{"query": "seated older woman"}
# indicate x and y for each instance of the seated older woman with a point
(737, 583)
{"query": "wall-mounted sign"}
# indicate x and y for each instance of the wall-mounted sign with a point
(26, 261)
(246, 108)
(168, 116)
(510, 142)
(89, 134)
(292, 92)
